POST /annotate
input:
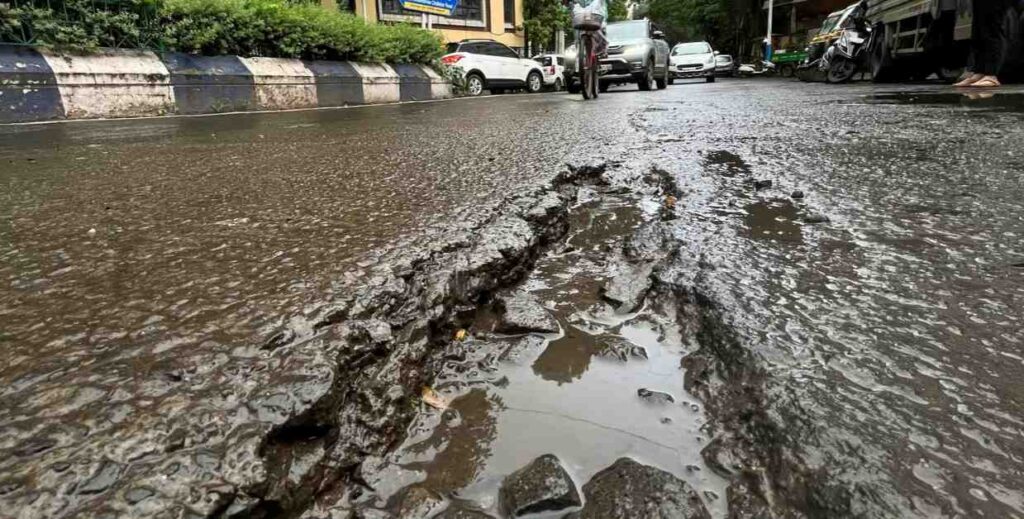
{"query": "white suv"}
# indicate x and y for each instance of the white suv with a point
(553, 67)
(490, 65)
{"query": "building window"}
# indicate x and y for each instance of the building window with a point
(391, 7)
(469, 13)
(510, 14)
(469, 10)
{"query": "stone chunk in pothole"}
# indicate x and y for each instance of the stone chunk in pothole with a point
(814, 218)
(524, 314)
(630, 490)
(655, 397)
(651, 241)
(619, 348)
(521, 349)
(541, 486)
(629, 287)
(418, 502)
(101, 480)
(462, 513)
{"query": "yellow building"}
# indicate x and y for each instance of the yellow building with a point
(488, 19)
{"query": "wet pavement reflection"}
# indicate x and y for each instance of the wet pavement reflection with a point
(143, 264)
(890, 326)
(1007, 102)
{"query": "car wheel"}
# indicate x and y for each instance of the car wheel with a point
(671, 80)
(558, 84)
(646, 79)
(534, 83)
(474, 84)
(663, 80)
(710, 79)
(603, 87)
(573, 87)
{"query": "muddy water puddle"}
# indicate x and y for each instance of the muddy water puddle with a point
(608, 384)
(985, 101)
(773, 220)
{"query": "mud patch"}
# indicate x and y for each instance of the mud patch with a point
(725, 163)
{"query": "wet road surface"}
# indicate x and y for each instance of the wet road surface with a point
(884, 304)
(892, 331)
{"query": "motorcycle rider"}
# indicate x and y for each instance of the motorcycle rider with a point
(600, 7)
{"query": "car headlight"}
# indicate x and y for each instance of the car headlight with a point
(638, 48)
(710, 61)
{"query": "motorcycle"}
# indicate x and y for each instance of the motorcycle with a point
(764, 68)
(847, 54)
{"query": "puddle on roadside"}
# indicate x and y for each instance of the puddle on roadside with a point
(570, 394)
(725, 163)
(773, 220)
(989, 101)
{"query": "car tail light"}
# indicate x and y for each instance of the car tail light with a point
(551, 71)
(452, 59)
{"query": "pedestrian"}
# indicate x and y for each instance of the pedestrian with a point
(989, 43)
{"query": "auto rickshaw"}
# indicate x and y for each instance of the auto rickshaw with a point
(831, 29)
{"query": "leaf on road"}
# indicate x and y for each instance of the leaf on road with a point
(433, 399)
(461, 335)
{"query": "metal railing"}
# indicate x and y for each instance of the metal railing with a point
(81, 23)
(86, 23)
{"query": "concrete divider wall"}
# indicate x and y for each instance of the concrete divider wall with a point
(40, 85)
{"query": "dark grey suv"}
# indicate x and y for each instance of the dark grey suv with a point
(637, 53)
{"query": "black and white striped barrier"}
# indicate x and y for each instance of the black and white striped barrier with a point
(41, 85)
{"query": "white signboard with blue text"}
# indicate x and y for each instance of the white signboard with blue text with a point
(440, 7)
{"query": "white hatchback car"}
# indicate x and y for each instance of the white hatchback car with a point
(693, 60)
(553, 67)
(487, 64)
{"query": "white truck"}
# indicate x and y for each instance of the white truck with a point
(914, 38)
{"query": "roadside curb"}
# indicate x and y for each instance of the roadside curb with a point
(41, 85)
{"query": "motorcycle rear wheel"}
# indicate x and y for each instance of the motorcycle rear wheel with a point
(587, 60)
(840, 71)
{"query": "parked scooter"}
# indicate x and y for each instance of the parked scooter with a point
(764, 68)
(847, 54)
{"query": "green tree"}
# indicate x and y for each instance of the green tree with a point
(617, 10)
(729, 25)
(541, 18)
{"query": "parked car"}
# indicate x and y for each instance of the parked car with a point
(695, 59)
(489, 65)
(724, 65)
(637, 53)
(553, 67)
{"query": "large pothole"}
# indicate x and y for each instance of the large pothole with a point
(601, 381)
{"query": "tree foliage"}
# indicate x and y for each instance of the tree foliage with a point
(728, 25)
(617, 10)
(272, 28)
(541, 18)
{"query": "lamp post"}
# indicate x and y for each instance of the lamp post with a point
(768, 38)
